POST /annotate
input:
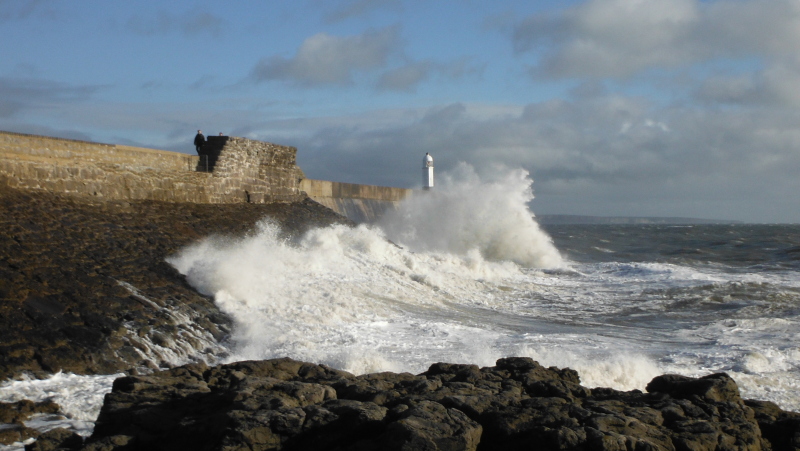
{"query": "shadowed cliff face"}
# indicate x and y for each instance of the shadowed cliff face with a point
(84, 287)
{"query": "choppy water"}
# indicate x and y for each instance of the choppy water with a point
(464, 274)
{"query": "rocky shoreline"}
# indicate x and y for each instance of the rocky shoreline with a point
(284, 404)
(84, 288)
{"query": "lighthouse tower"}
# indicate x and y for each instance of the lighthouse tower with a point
(427, 172)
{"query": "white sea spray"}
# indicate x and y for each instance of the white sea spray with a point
(442, 280)
(466, 212)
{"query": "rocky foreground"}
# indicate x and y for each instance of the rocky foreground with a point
(283, 404)
(84, 288)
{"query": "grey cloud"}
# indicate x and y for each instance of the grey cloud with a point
(461, 68)
(202, 22)
(357, 8)
(326, 59)
(774, 86)
(18, 94)
(23, 9)
(755, 27)
(151, 84)
(33, 129)
(613, 38)
(544, 29)
(405, 78)
(408, 77)
(204, 82)
(607, 155)
(619, 38)
(742, 89)
(191, 23)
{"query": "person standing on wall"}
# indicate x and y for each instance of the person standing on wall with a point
(199, 141)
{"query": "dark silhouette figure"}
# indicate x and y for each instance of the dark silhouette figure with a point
(199, 141)
(210, 151)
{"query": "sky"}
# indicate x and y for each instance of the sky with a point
(615, 107)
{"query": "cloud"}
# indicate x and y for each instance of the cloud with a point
(409, 76)
(620, 38)
(43, 130)
(19, 94)
(358, 8)
(608, 155)
(191, 23)
(326, 59)
(23, 9)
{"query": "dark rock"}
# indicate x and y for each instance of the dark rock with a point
(58, 439)
(16, 433)
(431, 426)
(20, 411)
(83, 283)
(13, 415)
(714, 387)
(781, 428)
(289, 405)
(111, 443)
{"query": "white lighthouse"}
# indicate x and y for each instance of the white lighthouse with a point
(427, 171)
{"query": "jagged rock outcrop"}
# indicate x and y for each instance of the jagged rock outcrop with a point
(780, 428)
(84, 286)
(14, 414)
(517, 404)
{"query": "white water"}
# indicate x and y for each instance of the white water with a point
(471, 279)
(490, 216)
(80, 398)
(351, 299)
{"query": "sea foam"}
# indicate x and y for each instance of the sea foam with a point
(467, 213)
(396, 297)
(464, 274)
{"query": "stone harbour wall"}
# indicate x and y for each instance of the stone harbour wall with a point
(359, 203)
(229, 169)
(246, 170)
(258, 172)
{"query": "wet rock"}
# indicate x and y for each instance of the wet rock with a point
(58, 439)
(715, 387)
(21, 411)
(16, 433)
(84, 287)
(781, 428)
(112, 443)
(290, 405)
(13, 415)
(430, 425)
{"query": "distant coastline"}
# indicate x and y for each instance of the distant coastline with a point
(580, 219)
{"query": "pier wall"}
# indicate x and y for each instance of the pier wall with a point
(360, 203)
(246, 170)
(228, 170)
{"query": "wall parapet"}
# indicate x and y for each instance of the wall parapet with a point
(229, 169)
(249, 171)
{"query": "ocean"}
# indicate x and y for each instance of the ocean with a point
(465, 274)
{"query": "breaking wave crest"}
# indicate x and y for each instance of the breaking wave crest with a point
(353, 299)
(468, 213)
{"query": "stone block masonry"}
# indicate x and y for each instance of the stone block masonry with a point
(258, 172)
(244, 170)
(359, 203)
(229, 170)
